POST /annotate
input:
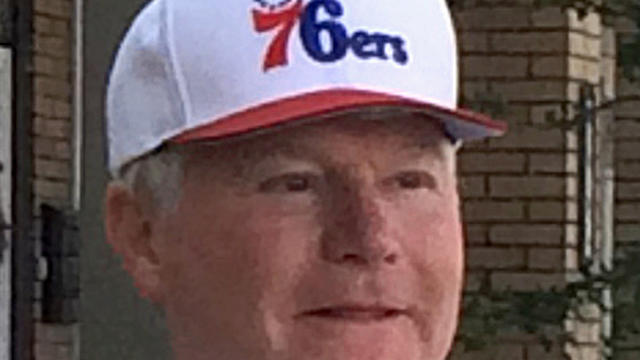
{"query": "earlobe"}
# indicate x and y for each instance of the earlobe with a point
(130, 235)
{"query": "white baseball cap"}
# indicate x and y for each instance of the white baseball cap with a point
(203, 69)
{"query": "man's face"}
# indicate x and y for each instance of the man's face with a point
(333, 240)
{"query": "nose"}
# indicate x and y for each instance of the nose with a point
(359, 231)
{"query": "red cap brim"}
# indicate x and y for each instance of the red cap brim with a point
(461, 124)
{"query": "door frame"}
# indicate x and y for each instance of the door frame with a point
(6, 221)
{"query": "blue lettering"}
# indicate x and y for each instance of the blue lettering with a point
(381, 41)
(363, 44)
(400, 55)
(310, 30)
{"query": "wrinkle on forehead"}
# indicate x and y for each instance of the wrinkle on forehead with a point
(412, 135)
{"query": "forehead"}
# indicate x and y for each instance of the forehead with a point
(369, 132)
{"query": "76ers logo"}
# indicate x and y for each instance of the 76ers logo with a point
(285, 14)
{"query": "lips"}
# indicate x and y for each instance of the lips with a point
(355, 313)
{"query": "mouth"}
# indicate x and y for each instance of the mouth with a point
(361, 314)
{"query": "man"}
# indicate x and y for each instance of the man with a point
(292, 197)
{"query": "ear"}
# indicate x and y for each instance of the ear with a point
(130, 234)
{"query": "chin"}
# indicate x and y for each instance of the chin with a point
(363, 346)
(371, 352)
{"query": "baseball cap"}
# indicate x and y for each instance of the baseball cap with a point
(191, 70)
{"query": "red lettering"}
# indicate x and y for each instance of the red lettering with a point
(266, 21)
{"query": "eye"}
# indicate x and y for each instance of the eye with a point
(413, 180)
(288, 183)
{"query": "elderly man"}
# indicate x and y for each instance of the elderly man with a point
(285, 181)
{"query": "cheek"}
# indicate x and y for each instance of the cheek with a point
(434, 246)
(434, 232)
(239, 268)
(435, 251)
(257, 249)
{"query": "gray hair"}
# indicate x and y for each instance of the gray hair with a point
(155, 177)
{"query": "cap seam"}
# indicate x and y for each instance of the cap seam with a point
(178, 82)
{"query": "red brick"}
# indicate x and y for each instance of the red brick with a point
(473, 280)
(627, 108)
(526, 234)
(55, 68)
(52, 88)
(546, 259)
(540, 113)
(530, 42)
(42, 106)
(533, 90)
(52, 128)
(628, 190)
(495, 66)
(61, 109)
(628, 171)
(56, 8)
(502, 18)
(46, 25)
(529, 138)
(52, 169)
(476, 234)
(476, 211)
(547, 163)
(526, 281)
(52, 46)
(473, 41)
(472, 186)
(471, 89)
(628, 129)
(48, 148)
(474, 162)
(552, 66)
(549, 17)
(532, 186)
(547, 210)
(495, 258)
(628, 233)
(48, 188)
(628, 212)
(628, 150)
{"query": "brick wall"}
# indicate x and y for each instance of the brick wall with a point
(520, 191)
(627, 152)
(52, 144)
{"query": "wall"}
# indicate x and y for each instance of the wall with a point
(52, 145)
(520, 191)
(627, 153)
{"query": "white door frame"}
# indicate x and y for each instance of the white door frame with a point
(6, 119)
